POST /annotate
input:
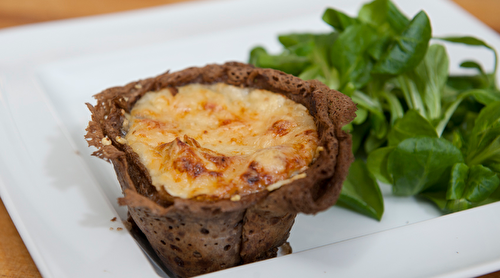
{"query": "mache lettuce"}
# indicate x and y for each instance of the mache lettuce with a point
(418, 128)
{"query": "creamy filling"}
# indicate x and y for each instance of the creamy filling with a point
(220, 141)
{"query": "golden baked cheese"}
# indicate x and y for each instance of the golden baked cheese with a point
(220, 141)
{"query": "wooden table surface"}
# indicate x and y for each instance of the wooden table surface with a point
(15, 260)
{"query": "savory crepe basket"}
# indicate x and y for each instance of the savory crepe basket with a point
(193, 237)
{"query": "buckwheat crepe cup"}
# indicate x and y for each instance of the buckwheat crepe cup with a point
(193, 237)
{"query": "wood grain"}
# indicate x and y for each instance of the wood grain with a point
(15, 261)
(484, 10)
(19, 12)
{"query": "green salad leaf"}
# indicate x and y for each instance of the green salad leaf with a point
(484, 142)
(407, 49)
(377, 163)
(411, 125)
(349, 55)
(458, 181)
(361, 193)
(338, 20)
(433, 69)
(419, 163)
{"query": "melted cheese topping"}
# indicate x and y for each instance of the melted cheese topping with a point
(220, 141)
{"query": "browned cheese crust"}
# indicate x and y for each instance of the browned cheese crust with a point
(193, 237)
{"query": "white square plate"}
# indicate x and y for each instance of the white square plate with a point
(62, 200)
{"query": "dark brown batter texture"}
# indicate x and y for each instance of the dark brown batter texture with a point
(193, 236)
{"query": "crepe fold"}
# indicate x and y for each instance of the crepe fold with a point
(193, 237)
